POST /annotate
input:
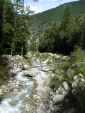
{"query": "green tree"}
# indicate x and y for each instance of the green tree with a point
(7, 17)
(66, 18)
(1, 19)
(22, 33)
(8, 26)
(14, 27)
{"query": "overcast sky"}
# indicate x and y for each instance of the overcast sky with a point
(42, 5)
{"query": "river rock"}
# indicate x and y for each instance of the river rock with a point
(58, 98)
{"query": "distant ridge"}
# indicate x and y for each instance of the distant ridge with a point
(41, 20)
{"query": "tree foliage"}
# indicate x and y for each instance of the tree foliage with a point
(14, 28)
(65, 37)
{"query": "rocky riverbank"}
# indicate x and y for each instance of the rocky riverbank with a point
(22, 71)
(41, 83)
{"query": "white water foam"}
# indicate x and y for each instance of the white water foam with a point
(14, 103)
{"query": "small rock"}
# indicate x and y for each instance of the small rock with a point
(66, 87)
(58, 98)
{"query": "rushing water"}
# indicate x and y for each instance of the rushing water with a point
(28, 91)
(14, 102)
(20, 88)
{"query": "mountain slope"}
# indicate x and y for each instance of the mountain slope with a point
(39, 21)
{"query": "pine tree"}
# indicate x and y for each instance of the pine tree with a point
(1, 22)
(66, 18)
(6, 25)
(21, 28)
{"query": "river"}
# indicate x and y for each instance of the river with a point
(20, 88)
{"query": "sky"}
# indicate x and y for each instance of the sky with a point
(42, 5)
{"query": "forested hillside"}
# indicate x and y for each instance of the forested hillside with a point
(42, 20)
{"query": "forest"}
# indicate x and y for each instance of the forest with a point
(13, 21)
